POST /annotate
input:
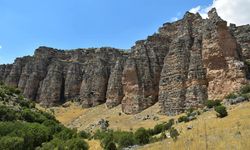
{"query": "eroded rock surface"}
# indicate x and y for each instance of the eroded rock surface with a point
(182, 65)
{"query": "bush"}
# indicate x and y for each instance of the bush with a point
(142, 136)
(122, 138)
(101, 134)
(11, 143)
(110, 146)
(76, 144)
(246, 96)
(221, 111)
(32, 116)
(33, 134)
(231, 96)
(84, 134)
(53, 126)
(158, 128)
(245, 89)
(55, 144)
(66, 134)
(212, 103)
(109, 138)
(174, 134)
(126, 139)
(183, 119)
(7, 114)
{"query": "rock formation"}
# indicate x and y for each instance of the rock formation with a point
(181, 66)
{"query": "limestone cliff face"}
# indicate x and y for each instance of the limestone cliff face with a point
(225, 68)
(183, 81)
(141, 73)
(185, 63)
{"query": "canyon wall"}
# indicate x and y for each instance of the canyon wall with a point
(182, 65)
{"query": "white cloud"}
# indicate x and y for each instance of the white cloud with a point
(174, 19)
(195, 9)
(1, 47)
(236, 11)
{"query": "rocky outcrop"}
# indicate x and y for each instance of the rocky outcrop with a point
(225, 68)
(73, 80)
(242, 35)
(141, 73)
(183, 81)
(115, 88)
(180, 66)
(53, 76)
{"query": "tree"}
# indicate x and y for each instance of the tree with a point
(84, 134)
(76, 144)
(174, 133)
(107, 139)
(245, 89)
(11, 143)
(66, 134)
(183, 119)
(221, 111)
(158, 128)
(110, 146)
(125, 139)
(142, 136)
(212, 103)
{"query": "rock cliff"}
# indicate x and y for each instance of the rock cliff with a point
(182, 65)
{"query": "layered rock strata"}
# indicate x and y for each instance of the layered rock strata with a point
(182, 65)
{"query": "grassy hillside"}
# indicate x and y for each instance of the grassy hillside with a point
(231, 132)
(77, 117)
(23, 127)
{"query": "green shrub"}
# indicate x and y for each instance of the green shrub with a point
(53, 126)
(246, 96)
(169, 124)
(101, 134)
(142, 136)
(158, 128)
(76, 144)
(212, 103)
(12, 143)
(7, 114)
(110, 146)
(33, 134)
(66, 134)
(245, 89)
(122, 138)
(174, 134)
(231, 96)
(84, 134)
(32, 116)
(183, 119)
(126, 139)
(190, 110)
(55, 144)
(221, 111)
(108, 138)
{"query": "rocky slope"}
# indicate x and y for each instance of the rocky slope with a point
(185, 63)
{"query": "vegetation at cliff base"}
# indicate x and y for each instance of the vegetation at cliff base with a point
(221, 111)
(23, 127)
(121, 139)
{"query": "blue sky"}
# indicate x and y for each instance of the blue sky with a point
(68, 24)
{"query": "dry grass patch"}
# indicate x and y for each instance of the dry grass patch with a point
(94, 145)
(231, 132)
